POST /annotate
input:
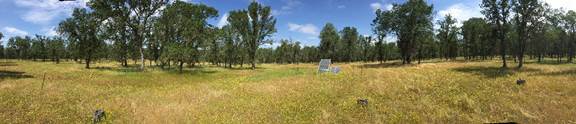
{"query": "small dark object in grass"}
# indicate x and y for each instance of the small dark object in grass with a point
(98, 116)
(362, 102)
(521, 82)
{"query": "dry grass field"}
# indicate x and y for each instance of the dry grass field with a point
(433, 92)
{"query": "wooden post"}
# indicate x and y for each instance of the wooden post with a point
(43, 80)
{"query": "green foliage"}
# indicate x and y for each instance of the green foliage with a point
(18, 47)
(38, 48)
(288, 52)
(570, 28)
(310, 54)
(528, 14)
(253, 26)
(448, 36)
(365, 47)
(329, 39)
(348, 43)
(183, 31)
(407, 21)
(175, 32)
(130, 19)
(56, 49)
(497, 13)
(477, 41)
(116, 29)
(82, 30)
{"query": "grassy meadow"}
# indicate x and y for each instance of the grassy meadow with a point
(432, 92)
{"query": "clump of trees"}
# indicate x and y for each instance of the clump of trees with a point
(408, 22)
(172, 34)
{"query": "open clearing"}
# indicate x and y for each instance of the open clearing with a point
(431, 92)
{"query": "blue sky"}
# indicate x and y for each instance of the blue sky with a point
(299, 20)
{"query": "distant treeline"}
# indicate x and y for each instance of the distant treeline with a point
(176, 33)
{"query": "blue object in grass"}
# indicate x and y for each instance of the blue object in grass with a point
(335, 70)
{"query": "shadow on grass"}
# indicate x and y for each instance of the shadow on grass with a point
(8, 64)
(245, 68)
(548, 62)
(13, 75)
(118, 69)
(385, 65)
(191, 71)
(559, 73)
(493, 72)
(130, 69)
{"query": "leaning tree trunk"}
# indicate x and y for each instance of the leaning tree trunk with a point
(521, 52)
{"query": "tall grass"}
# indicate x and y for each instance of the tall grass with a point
(434, 92)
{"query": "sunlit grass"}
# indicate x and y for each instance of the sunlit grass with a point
(435, 91)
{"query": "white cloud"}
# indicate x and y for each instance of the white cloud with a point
(223, 21)
(389, 7)
(376, 6)
(304, 28)
(380, 5)
(44, 11)
(341, 6)
(50, 31)
(565, 4)
(12, 31)
(390, 39)
(313, 38)
(460, 12)
(287, 7)
(290, 4)
(276, 12)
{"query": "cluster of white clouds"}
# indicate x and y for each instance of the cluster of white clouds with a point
(461, 12)
(50, 31)
(45, 11)
(470, 9)
(287, 8)
(223, 21)
(309, 29)
(380, 5)
(12, 31)
(565, 4)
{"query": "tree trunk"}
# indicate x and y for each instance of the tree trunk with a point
(142, 58)
(539, 58)
(180, 66)
(520, 61)
(242, 62)
(503, 52)
(87, 63)
(253, 61)
(125, 62)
